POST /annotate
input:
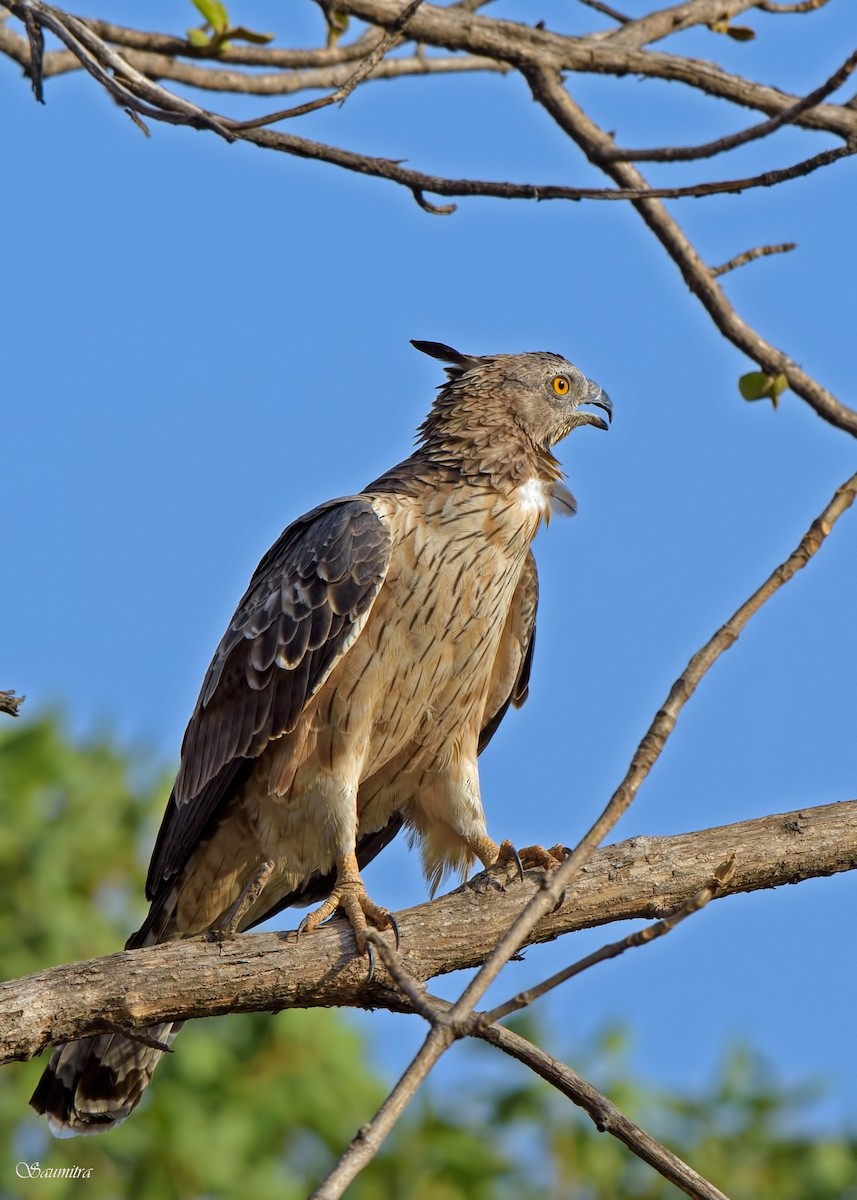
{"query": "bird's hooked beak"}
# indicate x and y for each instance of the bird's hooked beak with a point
(598, 397)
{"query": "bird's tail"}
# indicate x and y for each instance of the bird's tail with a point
(93, 1084)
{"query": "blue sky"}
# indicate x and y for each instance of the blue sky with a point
(203, 341)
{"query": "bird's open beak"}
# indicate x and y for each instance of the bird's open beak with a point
(599, 398)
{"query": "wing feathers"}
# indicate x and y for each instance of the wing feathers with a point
(510, 680)
(307, 601)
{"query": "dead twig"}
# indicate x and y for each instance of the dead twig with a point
(786, 116)
(750, 255)
(10, 703)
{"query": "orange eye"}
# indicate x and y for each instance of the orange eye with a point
(561, 385)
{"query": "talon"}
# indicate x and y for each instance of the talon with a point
(370, 951)
(562, 899)
(508, 854)
(395, 924)
(313, 919)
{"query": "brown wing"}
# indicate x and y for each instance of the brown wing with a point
(306, 603)
(510, 681)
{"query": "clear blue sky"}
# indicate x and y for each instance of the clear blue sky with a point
(202, 341)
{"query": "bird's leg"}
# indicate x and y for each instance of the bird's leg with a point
(350, 895)
(250, 893)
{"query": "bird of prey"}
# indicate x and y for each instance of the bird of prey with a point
(376, 650)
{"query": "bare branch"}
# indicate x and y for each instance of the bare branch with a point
(214, 79)
(606, 1116)
(393, 37)
(606, 10)
(750, 255)
(527, 47)
(802, 6)
(732, 141)
(10, 703)
(667, 21)
(134, 91)
(370, 1137)
(516, 45)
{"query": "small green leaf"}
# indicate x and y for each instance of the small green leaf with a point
(198, 37)
(741, 33)
(753, 385)
(337, 25)
(215, 13)
(757, 385)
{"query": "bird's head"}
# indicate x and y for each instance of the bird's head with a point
(543, 392)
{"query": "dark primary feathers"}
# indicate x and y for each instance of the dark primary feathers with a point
(308, 597)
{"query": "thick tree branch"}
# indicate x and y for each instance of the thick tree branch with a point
(643, 877)
(524, 46)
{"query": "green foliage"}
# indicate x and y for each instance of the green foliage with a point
(758, 385)
(261, 1105)
(217, 34)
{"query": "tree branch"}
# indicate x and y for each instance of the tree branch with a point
(596, 144)
(526, 46)
(605, 1115)
(747, 256)
(643, 877)
(457, 29)
(10, 703)
(753, 133)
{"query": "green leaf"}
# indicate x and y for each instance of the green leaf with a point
(215, 13)
(337, 25)
(198, 37)
(758, 385)
(740, 33)
(754, 385)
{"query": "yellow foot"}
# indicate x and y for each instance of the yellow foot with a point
(530, 857)
(538, 856)
(350, 896)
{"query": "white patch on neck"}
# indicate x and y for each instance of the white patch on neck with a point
(546, 499)
(534, 496)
